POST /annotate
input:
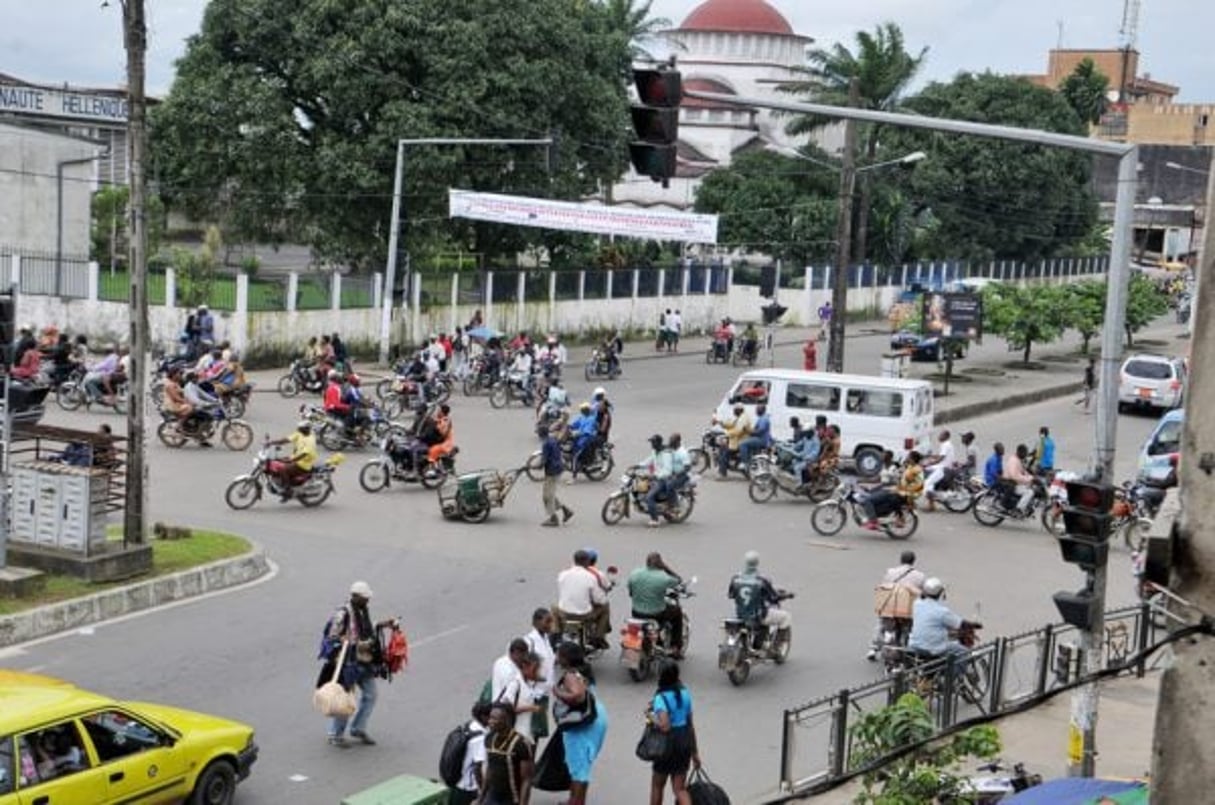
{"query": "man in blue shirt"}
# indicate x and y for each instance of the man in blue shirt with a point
(550, 451)
(760, 438)
(932, 622)
(994, 467)
(582, 430)
(1044, 459)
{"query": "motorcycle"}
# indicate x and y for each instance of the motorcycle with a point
(600, 365)
(310, 490)
(747, 643)
(512, 387)
(929, 672)
(712, 442)
(481, 377)
(957, 491)
(333, 433)
(646, 642)
(718, 352)
(200, 426)
(1000, 503)
(302, 376)
(72, 393)
(998, 783)
(596, 461)
(770, 475)
(828, 518)
(399, 461)
(402, 393)
(631, 496)
(747, 353)
(577, 629)
(1135, 505)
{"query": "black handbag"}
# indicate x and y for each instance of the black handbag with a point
(654, 744)
(704, 791)
(551, 773)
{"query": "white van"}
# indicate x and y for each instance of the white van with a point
(874, 414)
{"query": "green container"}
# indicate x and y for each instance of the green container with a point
(403, 790)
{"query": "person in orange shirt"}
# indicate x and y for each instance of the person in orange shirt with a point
(446, 432)
(810, 356)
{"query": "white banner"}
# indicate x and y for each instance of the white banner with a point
(569, 216)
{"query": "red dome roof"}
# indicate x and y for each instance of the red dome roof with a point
(737, 16)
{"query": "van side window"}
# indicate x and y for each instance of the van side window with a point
(875, 402)
(819, 398)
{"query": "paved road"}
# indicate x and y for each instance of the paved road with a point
(464, 591)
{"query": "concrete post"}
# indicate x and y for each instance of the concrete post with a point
(552, 299)
(93, 281)
(581, 285)
(171, 288)
(807, 297)
(662, 285)
(903, 283)
(607, 284)
(520, 298)
(685, 276)
(489, 299)
(377, 289)
(415, 297)
(455, 301)
(240, 316)
(14, 276)
(293, 289)
(636, 282)
(335, 291)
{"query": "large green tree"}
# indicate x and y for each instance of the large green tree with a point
(1024, 315)
(989, 198)
(882, 67)
(773, 203)
(1085, 91)
(284, 116)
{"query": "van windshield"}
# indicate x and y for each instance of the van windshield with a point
(1168, 439)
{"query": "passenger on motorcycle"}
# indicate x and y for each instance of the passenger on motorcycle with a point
(519, 342)
(1043, 463)
(97, 375)
(1015, 473)
(581, 596)
(658, 465)
(352, 395)
(583, 431)
(681, 462)
(737, 428)
(968, 462)
(829, 452)
(900, 581)
(174, 399)
(29, 365)
(755, 599)
(201, 403)
(804, 453)
(445, 433)
(932, 622)
(884, 500)
(723, 340)
(750, 340)
(760, 438)
(303, 457)
(334, 400)
(521, 368)
(944, 462)
(610, 350)
(648, 587)
(552, 357)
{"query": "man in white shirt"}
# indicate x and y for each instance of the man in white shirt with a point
(466, 791)
(509, 685)
(581, 596)
(541, 647)
(675, 324)
(943, 462)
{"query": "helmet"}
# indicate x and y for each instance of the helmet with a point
(592, 555)
(361, 589)
(584, 407)
(656, 441)
(751, 560)
(354, 379)
(933, 588)
(600, 391)
(333, 375)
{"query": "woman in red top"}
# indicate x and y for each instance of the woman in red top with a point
(810, 356)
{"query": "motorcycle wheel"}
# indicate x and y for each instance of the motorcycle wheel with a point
(824, 487)
(645, 667)
(70, 396)
(383, 389)
(911, 522)
(1135, 530)
(373, 477)
(782, 653)
(234, 407)
(443, 395)
(614, 373)
(394, 406)
(242, 493)
(986, 511)
(535, 466)
(236, 435)
(739, 673)
(601, 468)
(313, 494)
(1052, 521)
(288, 386)
(469, 386)
(589, 371)
(329, 437)
(709, 360)
(957, 501)
(762, 488)
(434, 476)
(682, 510)
(170, 435)
(699, 459)
(499, 396)
(828, 518)
(614, 509)
(120, 399)
(974, 680)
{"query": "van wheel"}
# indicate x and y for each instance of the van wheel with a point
(868, 462)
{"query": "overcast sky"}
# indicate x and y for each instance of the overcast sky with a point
(80, 42)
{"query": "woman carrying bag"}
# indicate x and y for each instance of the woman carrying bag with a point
(671, 714)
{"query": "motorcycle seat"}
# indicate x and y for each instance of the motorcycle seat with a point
(734, 622)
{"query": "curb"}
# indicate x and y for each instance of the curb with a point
(984, 407)
(130, 598)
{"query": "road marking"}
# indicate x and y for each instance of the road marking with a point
(297, 778)
(439, 635)
(835, 546)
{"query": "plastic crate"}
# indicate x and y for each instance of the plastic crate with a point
(403, 790)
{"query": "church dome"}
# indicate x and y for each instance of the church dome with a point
(737, 16)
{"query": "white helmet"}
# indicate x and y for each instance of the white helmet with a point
(933, 588)
(361, 589)
(600, 391)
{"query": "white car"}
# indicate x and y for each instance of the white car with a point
(1152, 381)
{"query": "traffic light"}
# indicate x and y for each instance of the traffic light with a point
(1067, 662)
(656, 121)
(772, 312)
(1078, 609)
(1085, 542)
(767, 281)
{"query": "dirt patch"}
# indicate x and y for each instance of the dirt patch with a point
(1032, 366)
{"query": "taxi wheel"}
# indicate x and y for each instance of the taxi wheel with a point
(216, 785)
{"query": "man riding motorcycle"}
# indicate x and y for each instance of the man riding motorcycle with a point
(302, 459)
(755, 599)
(932, 622)
(583, 431)
(944, 462)
(581, 596)
(659, 467)
(199, 400)
(750, 340)
(908, 488)
(648, 588)
(445, 433)
(737, 428)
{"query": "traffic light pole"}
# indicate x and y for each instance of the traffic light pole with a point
(394, 226)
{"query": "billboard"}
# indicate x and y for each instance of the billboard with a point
(956, 316)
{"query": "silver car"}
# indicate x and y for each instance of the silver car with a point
(1152, 381)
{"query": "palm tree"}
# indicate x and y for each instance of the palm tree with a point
(883, 68)
(634, 21)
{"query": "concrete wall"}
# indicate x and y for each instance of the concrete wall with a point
(29, 190)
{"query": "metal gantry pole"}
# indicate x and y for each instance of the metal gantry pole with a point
(394, 226)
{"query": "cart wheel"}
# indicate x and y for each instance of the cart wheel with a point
(473, 514)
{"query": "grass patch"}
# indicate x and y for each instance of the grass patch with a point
(168, 556)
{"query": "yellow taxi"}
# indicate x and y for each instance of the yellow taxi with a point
(62, 744)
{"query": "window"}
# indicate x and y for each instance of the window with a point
(819, 398)
(116, 734)
(873, 402)
(1149, 370)
(6, 766)
(752, 392)
(51, 753)
(1168, 439)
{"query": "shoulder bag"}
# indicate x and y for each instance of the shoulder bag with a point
(333, 700)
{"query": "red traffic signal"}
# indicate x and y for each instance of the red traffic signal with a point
(1093, 496)
(656, 122)
(658, 87)
(1087, 515)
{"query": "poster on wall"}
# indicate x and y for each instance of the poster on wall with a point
(957, 316)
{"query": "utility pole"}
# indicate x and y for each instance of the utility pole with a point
(843, 238)
(135, 39)
(1183, 747)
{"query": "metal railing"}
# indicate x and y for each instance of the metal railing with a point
(1019, 670)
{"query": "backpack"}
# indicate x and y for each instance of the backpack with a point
(451, 758)
(396, 652)
(330, 642)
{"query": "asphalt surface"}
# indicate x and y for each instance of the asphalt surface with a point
(464, 590)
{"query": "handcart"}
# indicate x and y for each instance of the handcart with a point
(471, 496)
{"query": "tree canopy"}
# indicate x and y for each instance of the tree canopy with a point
(284, 117)
(1024, 315)
(986, 198)
(1085, 91)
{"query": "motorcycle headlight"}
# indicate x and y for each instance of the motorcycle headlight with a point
(624, 479)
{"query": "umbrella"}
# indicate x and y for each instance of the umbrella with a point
(1083, 791)
(483, 333)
